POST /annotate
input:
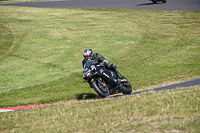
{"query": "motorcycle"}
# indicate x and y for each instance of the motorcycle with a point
(155, 1)
(104, 81)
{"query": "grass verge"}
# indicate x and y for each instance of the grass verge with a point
(165, 111)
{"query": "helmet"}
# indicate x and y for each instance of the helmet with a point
(87, 54)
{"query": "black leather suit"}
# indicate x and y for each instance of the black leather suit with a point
(100, 60)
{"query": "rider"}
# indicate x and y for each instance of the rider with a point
(99, 60)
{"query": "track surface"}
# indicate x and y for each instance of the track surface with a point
(172, 5)
(173, 86)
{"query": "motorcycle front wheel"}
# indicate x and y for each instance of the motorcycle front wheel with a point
(101, 89)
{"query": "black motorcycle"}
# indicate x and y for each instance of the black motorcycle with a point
(155, 1)
(105, 81)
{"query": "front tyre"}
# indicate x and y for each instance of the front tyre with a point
(101, 89)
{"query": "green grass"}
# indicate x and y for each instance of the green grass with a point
(165, 111)
(40, 62)
(42, 49)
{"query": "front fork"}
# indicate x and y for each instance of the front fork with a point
(113, 90)
(99, 81)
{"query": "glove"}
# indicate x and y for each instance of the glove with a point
(113, 65)
(93, 68)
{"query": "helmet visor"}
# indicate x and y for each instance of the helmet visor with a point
(86, 58)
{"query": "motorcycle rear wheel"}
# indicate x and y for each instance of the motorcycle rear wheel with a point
(102, 91)
(126, 87)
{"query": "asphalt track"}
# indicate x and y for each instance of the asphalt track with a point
(171, 5)
(169, 87)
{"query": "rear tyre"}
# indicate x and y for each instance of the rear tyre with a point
(126, 86)
(102, 90)
(164, 1)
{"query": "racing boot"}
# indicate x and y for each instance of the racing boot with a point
(119, 76)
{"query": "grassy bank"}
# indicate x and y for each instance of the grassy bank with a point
(40, 59)
(165, 111)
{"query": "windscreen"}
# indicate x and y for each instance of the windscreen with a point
(88, 64)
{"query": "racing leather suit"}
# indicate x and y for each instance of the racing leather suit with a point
(101, 61)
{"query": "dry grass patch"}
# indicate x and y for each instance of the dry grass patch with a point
(165, 111)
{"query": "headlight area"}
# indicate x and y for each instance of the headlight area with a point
(88, 73)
